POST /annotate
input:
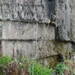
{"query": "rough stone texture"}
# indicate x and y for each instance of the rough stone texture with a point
(65, 17)
(19, 48)
(63, 30)
(52, 48)
(33, 28)
(19, 30)
(40, 49)
(0, 30)
(73, 19)
(27, 10)
(45, 32)
(27, 31)
(62, 33)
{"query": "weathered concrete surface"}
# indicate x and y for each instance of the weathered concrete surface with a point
(19, 30)
(18, 48)
(45, 32)
(52, 48)
(63, 30)
(45, 51)
(73, 19)
(27, 10)
(0, 30)
(62, 33)
(33, 28)
(65, 17)
(33, 49)
(27, 31)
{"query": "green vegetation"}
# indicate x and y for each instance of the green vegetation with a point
(4, 61)
(32, 67)
(60, 68)
(2, 71)
(35, 68)
(38, 69)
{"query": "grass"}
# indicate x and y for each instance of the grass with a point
(38, 69)
(33, 67)
(60, 68)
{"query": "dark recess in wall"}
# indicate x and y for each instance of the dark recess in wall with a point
(50, 0)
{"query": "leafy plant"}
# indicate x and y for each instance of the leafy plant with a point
(2, 70)
(5, 60)
(60, 68)
(38, 69)
(24, 63)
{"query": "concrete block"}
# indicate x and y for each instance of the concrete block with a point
(0, 30)
(37, 2)
(46, 32)
(6, 1)
(18, 48)
(19, 30)
(6, 11)
(0, 12)
(28, 2)
(46, 49)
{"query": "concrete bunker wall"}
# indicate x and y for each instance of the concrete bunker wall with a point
(37, 28)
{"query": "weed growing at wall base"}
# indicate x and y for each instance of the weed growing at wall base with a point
(4, 61)
(24, 66)
(38, 69)
(60, 68)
